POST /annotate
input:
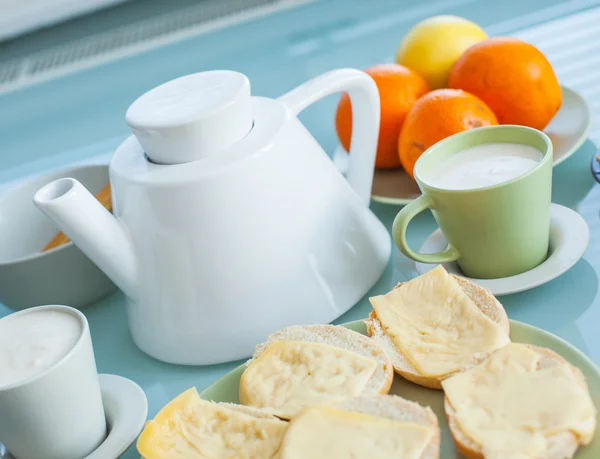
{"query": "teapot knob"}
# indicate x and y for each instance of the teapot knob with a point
(192, 117)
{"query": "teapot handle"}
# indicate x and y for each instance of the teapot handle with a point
(365, 113)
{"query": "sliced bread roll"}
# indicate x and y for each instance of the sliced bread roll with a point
(533, 388)
(487, 304)
(191, 427)
(365, 427)
(301, 366)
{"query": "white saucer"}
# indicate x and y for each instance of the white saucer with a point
(568, 130)
(569, 237)
(126, 409)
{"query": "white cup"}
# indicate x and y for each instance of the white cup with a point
(58, 412)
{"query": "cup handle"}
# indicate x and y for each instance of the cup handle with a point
(401, 222)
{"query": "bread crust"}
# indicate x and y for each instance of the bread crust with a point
(483, 299)
(561, 446)
(250, 411)
(338, 336)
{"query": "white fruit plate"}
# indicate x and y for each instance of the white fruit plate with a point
(568, 130)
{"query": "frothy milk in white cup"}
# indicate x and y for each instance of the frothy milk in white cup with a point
(50, 398)
(32, 343)
(482, 166)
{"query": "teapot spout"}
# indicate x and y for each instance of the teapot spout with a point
(92, 228)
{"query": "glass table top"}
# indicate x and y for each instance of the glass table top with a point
(80, 117)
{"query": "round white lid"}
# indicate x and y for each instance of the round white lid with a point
(192, 117)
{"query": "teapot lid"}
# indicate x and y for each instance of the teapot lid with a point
(192, 117)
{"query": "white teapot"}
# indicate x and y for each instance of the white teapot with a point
(229, 220)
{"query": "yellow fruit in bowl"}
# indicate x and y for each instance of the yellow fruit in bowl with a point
(433, 45)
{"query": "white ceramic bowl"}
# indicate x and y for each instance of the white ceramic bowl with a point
(64, 275)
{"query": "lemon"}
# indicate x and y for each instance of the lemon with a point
(433, 45)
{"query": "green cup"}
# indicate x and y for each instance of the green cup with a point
(495, 231)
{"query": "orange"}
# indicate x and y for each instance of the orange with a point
(513, 77)
(399, 88)
(437, 115)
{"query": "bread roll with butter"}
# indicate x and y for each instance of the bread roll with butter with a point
(366, 427)
(437, 324)
(189, 427)
(540, 406)
(300, 366)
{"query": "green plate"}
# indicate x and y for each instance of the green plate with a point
(226, 389)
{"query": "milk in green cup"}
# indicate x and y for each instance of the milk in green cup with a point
(489, 189)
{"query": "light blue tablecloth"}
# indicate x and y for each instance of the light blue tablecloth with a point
(81, 116)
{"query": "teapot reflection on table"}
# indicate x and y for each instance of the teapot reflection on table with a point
(230, 221)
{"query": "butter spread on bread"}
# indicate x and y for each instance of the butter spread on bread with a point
(191, 427)
(510, 404)
(436, 325)
(329, 433)
(290, 374)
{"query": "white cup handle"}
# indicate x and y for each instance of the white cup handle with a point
(365, 119)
